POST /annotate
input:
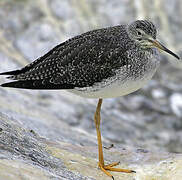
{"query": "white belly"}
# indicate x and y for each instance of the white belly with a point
(114, 90)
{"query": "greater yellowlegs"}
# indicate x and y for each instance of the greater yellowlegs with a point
(102, 63)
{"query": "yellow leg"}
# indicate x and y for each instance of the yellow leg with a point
(102, 166)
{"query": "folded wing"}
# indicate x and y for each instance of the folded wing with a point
(78, 62)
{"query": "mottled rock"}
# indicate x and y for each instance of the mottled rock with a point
(15, 17)
(37, 40)
(62, 9)
(176, 104)
(113, 11)
(24, 154)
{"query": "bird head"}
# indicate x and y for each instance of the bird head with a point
(144, 33)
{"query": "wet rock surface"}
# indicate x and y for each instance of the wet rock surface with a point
(150, 118)
(26, 155)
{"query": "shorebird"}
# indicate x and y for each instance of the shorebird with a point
(102, 63)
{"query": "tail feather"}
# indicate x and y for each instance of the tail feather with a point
(16, 72)
(36, 84)
(19, 84)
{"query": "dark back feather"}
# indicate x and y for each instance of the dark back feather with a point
(79, 62)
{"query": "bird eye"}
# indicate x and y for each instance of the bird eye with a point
(139, 33)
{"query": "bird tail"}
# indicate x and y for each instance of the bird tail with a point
(21, 84)
(13, 73)
(36, 84)
(42, 84)
(32, 84)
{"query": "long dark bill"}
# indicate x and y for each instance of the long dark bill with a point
(160, 46)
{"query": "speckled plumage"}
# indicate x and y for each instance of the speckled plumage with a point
(88, 60)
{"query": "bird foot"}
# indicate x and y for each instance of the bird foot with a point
(109, 167)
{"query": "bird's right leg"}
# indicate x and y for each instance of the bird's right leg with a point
(102, 166)
(97, 125)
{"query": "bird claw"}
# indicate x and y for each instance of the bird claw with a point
(109, 167)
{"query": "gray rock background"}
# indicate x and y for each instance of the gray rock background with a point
(150, 118)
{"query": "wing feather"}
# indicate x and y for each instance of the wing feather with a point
(79, 62)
